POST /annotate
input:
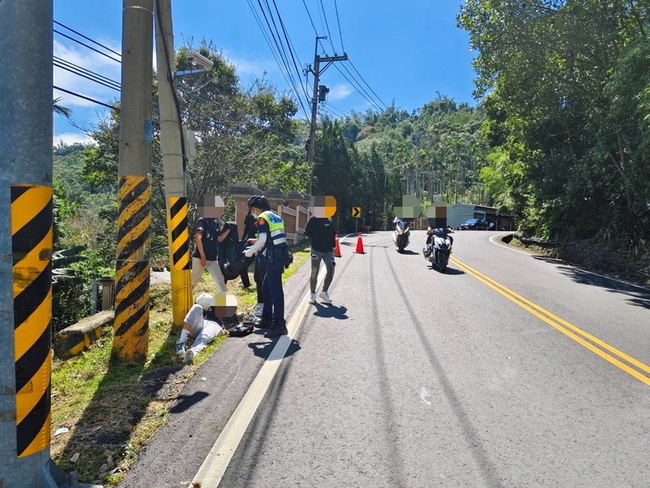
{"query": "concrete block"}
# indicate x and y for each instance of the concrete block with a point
(78, 337)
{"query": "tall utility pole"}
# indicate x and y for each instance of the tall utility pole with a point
(171, 148)
(26, 241)
(131, 326)
(317, 71)
(26, 248)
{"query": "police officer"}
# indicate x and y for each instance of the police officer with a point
(272, 248)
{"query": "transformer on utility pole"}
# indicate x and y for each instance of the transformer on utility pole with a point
(317, 96)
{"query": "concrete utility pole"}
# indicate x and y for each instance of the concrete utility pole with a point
(171, 147)
(131, 327)
(26, 229)
(317, 71)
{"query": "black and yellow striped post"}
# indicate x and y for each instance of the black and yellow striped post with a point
(132, 277)
(31, 245)
(179, 250)
(132, 272)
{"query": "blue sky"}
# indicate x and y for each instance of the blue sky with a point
(402, 52)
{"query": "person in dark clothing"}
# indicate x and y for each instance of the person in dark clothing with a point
(250, 233)
(230, 249)
(208, 235)
(322, 235)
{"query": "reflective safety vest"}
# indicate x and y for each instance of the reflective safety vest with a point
(276, 229)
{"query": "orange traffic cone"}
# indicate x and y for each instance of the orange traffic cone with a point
(337, 247)
(359, 249)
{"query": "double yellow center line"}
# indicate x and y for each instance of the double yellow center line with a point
(618, 358)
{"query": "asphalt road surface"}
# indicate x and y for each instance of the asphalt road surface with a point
(508, 370)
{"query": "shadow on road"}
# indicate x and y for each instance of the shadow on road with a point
(448, 271)
(263, 349)
(637, 294)
(408, 252)
(331, 311)
(185, 402)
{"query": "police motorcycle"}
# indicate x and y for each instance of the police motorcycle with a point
(401, 235)
(438, 247)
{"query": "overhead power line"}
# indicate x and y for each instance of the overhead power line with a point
(310, 19)
(359, 88)
(338, 21)
(86, 45)
(279, 49)
(366, 83)
(88, 38)
(86, 73)
(288, 41)
(327, 26)
(86, 98)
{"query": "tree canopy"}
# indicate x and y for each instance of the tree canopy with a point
(565, 86)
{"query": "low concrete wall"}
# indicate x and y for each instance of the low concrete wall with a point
(78, 337)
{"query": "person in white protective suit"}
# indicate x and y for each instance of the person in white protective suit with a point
(199, 324)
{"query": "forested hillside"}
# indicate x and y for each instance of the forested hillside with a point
(565, 86)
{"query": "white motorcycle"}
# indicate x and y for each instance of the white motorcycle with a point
(401, 235)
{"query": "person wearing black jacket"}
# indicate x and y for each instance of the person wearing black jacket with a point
(250, 232)
(208, 235)
(322, 234)
(230, 249)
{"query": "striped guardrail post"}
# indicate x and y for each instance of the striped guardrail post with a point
(179, 250)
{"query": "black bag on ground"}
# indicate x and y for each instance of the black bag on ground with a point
(240, 330)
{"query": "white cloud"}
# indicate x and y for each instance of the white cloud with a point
(339, 92)
(71, 138)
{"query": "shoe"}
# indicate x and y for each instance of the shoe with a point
(258, 310)
(277, 331)
(312, 298)
(325, 297)
(180, 348)
(264, 323)
(189, 356)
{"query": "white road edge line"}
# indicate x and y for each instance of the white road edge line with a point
(493, 240)
(216, 462)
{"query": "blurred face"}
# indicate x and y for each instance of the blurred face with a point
(322, 206)
(225, 305)
(211, 206)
